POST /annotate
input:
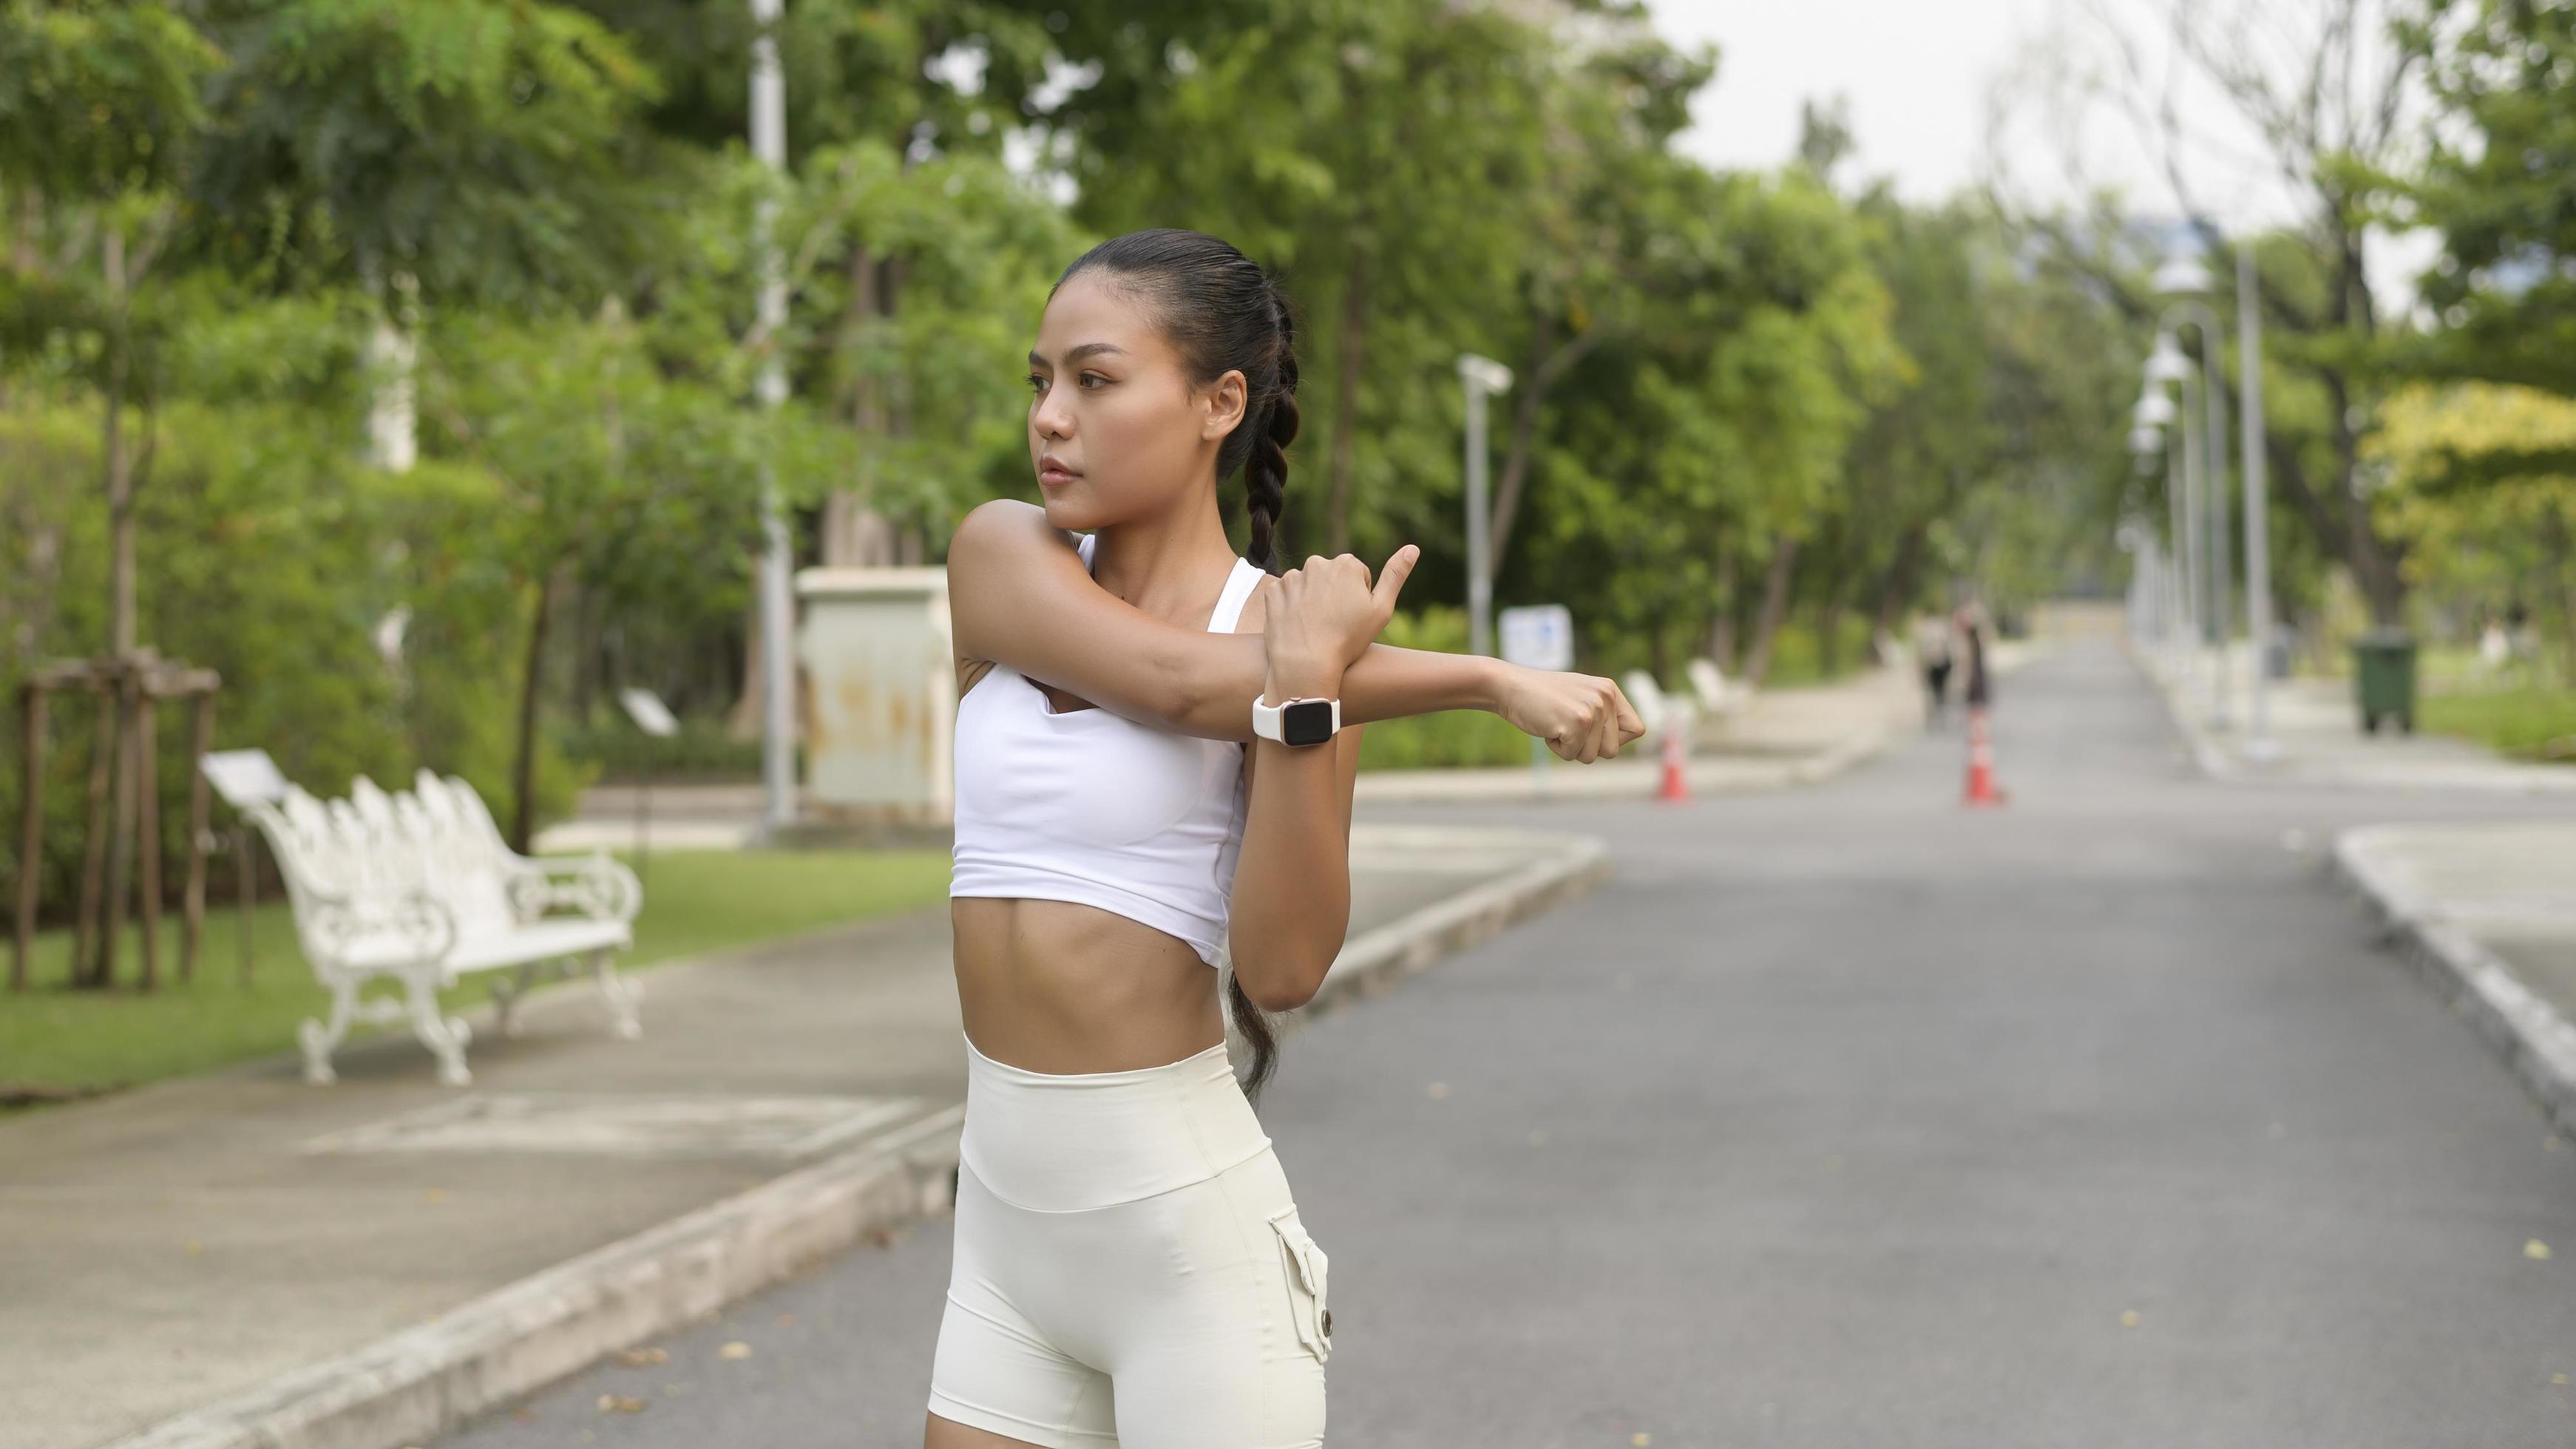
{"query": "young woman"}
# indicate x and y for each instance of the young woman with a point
(1155, 747)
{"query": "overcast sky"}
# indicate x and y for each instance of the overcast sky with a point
(1921, 76)
(1916, 72)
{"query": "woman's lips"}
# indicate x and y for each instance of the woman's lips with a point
(1052, 474)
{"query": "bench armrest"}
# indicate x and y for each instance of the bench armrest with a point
(589, 885)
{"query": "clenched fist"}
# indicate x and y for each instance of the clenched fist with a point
(1325, 614)
(1582, 718)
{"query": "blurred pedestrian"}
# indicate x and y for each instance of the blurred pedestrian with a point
(1932, 656)
(2495, 647)
(1972, 634)
(1129, 1267)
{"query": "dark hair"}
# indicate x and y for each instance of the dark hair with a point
(1224, 313)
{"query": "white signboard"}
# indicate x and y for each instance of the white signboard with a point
(648, 711)
(1539, 637)
(244, 777)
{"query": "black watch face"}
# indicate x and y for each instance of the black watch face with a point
(1307, 722)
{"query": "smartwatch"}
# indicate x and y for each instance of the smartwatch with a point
(1297, 721)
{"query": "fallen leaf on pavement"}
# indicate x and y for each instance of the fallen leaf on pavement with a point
(2535, 1249)
(2129, 1318)
(734, 1350)
(1641, 1440)
(639, 1357)
(620, 1404)
(1438, 1090)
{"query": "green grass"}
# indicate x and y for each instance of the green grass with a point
(2528, 723)
(695, 901)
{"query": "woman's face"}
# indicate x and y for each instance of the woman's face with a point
(1115, 428)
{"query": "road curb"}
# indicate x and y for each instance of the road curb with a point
(419, 1384)
(2536, 1043)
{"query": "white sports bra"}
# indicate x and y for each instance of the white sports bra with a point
(1090, 807)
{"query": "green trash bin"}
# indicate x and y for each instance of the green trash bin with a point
(2383, 679)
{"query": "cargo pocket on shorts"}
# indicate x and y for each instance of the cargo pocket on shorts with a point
(1305, 1266)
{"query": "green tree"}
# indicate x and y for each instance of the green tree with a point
(2500, 185)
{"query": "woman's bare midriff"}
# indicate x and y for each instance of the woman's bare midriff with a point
(1051, 986)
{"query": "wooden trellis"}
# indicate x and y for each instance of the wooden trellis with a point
(121, 853)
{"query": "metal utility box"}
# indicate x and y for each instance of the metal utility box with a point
(880, 694)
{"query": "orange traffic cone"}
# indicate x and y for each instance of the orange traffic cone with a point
(1676, 782)
(1982, 790)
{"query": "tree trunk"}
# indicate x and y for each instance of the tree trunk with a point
(523, 771)
(93, 891)
(1775, 605)
(1829, 628)
(1351, 356)
(854, 534)
(1721, 628)
(1897, 590)
(2563, 584)
(120, 477)
(1516, 457)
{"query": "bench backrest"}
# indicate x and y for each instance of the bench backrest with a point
(1708, 682)
(1646, 695)
(373, 849)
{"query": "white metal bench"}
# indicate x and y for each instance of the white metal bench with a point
(1718, 695)
(419, 888)
(1660, 712)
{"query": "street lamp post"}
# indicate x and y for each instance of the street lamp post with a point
(2258, 543)
(778, 663)
(1481, 376)
(2204, 458)
(2187, 281)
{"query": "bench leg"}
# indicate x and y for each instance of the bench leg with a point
(444, 1036)
(321, 1039)
(622, 996)
(506, 991)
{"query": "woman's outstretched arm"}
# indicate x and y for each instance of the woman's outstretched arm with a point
(1018, 595)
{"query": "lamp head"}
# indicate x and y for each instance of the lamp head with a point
(2167, 364)
(2146, 442)
(1484, 372)
(2182, 276)
(2154, 409)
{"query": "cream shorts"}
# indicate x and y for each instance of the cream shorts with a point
(1130, 1270)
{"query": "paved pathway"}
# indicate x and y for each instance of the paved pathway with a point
(172, 1246)
(1847, 1117)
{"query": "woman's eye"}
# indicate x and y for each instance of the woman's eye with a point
(1089, 378)
(1037, 384)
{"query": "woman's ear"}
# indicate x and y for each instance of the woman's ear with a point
(1225, 401)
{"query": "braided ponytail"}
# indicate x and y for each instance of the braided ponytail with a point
(1224, 314)
(1265, 470)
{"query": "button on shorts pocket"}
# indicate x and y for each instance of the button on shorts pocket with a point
(1305, 1265)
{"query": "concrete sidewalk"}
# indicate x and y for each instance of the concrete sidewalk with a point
(360, 1265)
(2487, 913)
(2317, 737)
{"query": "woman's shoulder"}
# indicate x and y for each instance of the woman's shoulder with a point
(1001, 530)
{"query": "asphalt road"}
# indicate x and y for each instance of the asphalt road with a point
(1846, 1117)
